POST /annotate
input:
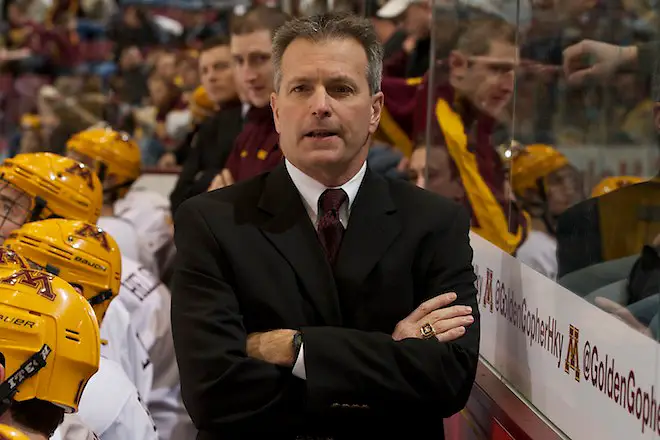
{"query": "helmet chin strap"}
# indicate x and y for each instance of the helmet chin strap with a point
(39, 205)
(29, 368)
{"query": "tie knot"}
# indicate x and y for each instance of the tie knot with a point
(332, 199)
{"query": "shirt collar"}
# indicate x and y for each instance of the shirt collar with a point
(310, 190)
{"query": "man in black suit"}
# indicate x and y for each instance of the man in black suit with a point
(210, 143)
(289, 320)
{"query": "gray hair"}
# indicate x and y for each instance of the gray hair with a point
(331, 26)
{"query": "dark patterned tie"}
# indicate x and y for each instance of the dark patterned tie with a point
(331, 231)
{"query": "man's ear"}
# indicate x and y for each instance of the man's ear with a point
(458, 64)
(377, 102)
(276, 111)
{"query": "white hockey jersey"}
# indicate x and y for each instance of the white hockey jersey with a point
(111, 407)
(124, 234)
(150, 215)
(72, 428)
(148, 302)
(121, 343)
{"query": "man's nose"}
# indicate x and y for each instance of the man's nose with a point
(508, 81)
(320, 104)
(211, 78)
(244, 72)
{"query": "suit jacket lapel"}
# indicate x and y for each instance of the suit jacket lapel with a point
(290, 230)
(372, 227)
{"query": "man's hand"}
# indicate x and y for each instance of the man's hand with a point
(623, 314)
(274, 347)
(595, 59)
(167, 160)
(448, 322)
(222, 179)
(409, 44)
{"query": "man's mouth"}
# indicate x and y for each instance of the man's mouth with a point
(320, 134)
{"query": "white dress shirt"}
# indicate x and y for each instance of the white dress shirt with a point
(310, 191)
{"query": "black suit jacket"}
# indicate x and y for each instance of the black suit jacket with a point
(250, 261)
(210, 146)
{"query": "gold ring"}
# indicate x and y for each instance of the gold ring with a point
(427, 331)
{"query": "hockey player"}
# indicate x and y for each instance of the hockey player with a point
(116, 159)
(546, 184)
(89, 259)
(49, 350)
(43, 185)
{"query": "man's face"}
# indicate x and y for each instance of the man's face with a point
(15, 207)
(216, 74)
(251, 55)
(166, 66)
(487, 80)
(563, 189)
(440, 177)
(324, 111)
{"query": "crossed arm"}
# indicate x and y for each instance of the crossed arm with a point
(232, 380)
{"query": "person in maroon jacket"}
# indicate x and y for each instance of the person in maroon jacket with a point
(471, 95)
(256, 148)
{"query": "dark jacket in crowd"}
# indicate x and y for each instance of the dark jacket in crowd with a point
(208, 148)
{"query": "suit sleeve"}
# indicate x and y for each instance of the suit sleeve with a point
(221, 387)
(348, 366)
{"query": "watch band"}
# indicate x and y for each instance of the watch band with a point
(297, 344)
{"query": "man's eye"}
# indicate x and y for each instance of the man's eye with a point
(343, 90)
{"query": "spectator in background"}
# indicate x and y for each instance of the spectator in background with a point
(414, 57)
(164, 97)
(432, 169)
(133, 27)
(197, 28)
(390, 34)
(187, 73)
(209, 143)
(34, 48)
(630, 123)
(256, 148)
(131, 79)
(165, 66)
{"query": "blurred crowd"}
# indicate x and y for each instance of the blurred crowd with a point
(67, 63)
(480, 97)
